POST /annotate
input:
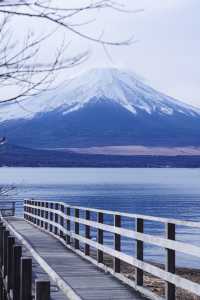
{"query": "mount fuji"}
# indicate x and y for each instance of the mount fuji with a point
(102, 107)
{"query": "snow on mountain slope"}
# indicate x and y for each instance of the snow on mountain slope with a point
(123, 87)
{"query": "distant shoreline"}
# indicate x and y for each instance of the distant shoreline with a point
(101, 165)
(135, 150)
(16, 156)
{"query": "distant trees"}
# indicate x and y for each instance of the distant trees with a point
(23, 73)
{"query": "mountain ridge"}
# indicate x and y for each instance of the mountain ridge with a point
(102, 83)
(102, 108)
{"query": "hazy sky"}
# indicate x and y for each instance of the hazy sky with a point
(167, 52)
(167, 48)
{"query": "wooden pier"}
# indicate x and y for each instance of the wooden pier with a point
(59, 239)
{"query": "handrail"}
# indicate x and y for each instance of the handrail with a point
(128, 215)
(7, 208)
(57, 218)
(10, 208)
(147, 238)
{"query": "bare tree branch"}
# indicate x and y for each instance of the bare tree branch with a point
(21, 63)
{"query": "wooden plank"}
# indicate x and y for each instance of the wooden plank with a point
(170, 265)
(62, 219)
(17, 253)
(68, 226)
(42, 290)
(26, 279)
(174, 279)
(100, 238)
(169, 243)
(5, 252)
(87, 232)
(83, 277)
(51, 216)
(2, 229)
(28, 233)
(10, 244)
(76, 228)
(147, 238)
(56, 213)
(117, 244)
(139, 227)
(46, 216)
(135, 216)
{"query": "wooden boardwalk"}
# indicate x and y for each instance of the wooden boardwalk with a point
(69, 244)
(77, 278)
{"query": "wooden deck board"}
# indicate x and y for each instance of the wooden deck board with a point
(85, 279)
(39, 273)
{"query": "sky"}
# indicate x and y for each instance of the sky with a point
(166, 48)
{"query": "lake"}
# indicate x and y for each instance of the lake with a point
(173, 193)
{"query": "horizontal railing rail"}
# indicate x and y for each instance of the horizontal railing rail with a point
(7, 208)
(124, 214)
(11, 208)
(58, 218)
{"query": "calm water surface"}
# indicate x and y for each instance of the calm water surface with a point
(173, 193)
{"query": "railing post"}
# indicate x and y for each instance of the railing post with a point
(2, 229)
(42, 215)
(117, 223)
(42, 290)
(5, 253)
(100, 238)
(25, 209)
(56, 219)
(33, 212)
(36, 212)
(39, 213)
(51, 218)
(17, 253)
(139, 227)
(13, 208)
(1, 287)
(11, 242)
(170, 265)
(62, 209)
(68, 226)
(46, 216)
(76, 214)
(87, 232)
(4, 294)
(26, 279)
(30, 210)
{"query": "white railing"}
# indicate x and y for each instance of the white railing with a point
(64, 221)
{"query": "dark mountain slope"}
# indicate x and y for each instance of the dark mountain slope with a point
(104, 123)
(102, 107)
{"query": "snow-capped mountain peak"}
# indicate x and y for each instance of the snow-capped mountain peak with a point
(125, 88)
(98, 108)
(111, 84)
